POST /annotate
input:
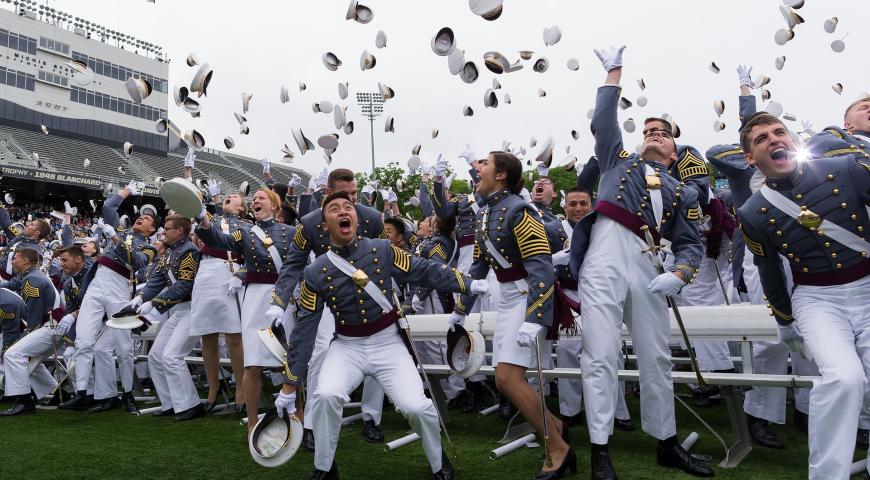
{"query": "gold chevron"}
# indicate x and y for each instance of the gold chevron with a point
(539, 303)
(237, 235)
(754, 247)
(401, 260)
(6, 315)
(531, 236)
(693, 214)
(691, 165)
(187, 268)
(438, 250)
(307, 297)
(28, 291)
(299, 238)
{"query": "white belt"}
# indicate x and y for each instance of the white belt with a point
(369, 287)
(273, 251)
(830, 229)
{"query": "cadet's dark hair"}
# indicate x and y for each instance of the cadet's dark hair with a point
(72, 250)
(755, 120)
(446, 225)
(288, 213)
(281, 189)
(180, 221)
(668, 127)
(30, 254)
(339, 175)
(331, 197)
(43, 228)
(579, 190)
(397, 223)
(513, 169)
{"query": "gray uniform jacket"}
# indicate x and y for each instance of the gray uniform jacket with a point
(13, 311)
(441, 249)
(259, 267)
(172, 280)
(15, 240)
(462, 206)
(38, 293)
(133, 250)
(835, 141)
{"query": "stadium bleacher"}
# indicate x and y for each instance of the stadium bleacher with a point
(63, 154)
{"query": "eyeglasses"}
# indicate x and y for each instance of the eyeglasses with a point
(656, 132)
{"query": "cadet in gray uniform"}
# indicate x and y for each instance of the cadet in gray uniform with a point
(355, 281)
(815, 214)
(853, 138)
(608, 260)
(31, 236)
(263, 244)
(111, 286)
(311, 236)
(168, 291)
(23, 367)
(462, 207)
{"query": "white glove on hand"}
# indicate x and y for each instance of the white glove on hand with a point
(214, 187)
(480, 287)
(190, 158)
(791, 336)
(384, 195)
(275, 314)
(145, 308)
(131, 187)
(808, 127)
(392, 197)
(234, 286)
(312, 184)
(265, 163)
(524, 193)
(425, 168)
(440, 166)
(417, 304)
(666, 284)
(64, 325)
(285, 402)
(137, 300)
(455, 319)
(468, 155)
(108, 231)
(295, 181)
(744, 75)
(73, 211)
(368, 189)
(611, 58)
(562, 257)
(527, 335)
(202, 214)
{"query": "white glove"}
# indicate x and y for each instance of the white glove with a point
(791, 336)
(73, 211)
(666, 284)
(131, 187)
(744, 75)
(526, 195)
(441, 166)
(468, 155)
(145, 308)
(808, 126)
(190, 158)
(391, 196)
(368, 189)
(611, 58)
(384, 194)
(417, 304)
(234, 285)
(202, 214)
(285, 402)
(480, 287)
(322, 179)
(137, 300)
(562, 257)
(425, 168)
(265, 163)
(214, 187)
(455, 319)
(64, 325)
(295, 181)
(527, 335)
(312, 184)
(108, 231)
(275, 314)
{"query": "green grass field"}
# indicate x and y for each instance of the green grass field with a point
(70, 445)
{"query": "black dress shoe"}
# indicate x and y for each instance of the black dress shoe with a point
(624, 425)
(79, 402)
(762, 434)
(476, 394)
(308, 440)
(506, 410)
(707, 396)
(105, 404)
(602, 467)
(678, 457)
(332, 474)
(458, 401)
(164, 413)
(862, 440)
(23, 407)
(801, 421)
(189, 414)
(129, 402)
(568, 463)
(54, 401)
(371, 432)
(446, 472)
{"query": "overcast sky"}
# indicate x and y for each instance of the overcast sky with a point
(256, 46)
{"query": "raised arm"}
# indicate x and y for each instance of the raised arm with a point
(605, 126)
(590, 174)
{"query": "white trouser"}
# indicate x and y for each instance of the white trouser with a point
(435, 352)
(384, 357)
(169, 371)
(835, 322)
(372, 394)
(107, 294)
(771, 358)
(23, 364)
(613, 288)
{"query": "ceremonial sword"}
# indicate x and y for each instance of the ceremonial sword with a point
(405, 326)
(548, 458)
(657, 261)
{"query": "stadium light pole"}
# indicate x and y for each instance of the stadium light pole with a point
(372, 105)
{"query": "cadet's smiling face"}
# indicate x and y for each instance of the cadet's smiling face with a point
(658, 143)
(772, 150)
(858, 117)
(341, 221)
(577, 204)
(262, 206)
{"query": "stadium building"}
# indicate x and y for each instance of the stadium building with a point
(91, 121)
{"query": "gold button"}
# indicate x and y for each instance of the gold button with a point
(798, 196)
(830, 177)
(853, 216)
(805, 269)
(827, 244)
(763, 210)
(784, 246)
(342, 322)
(833, 254)
(377, 270)
(860, 228)
(324, 269)
(639, 214)
(835, 191)
(839, 265)
(619, 197)
(364, 321)
(843, 205)
(772, 221)
(539, 315)
(622, 187)
(360, 301)
(541, 285)
(790, 255)
(779, 233)
(328, 278)
(374, 260)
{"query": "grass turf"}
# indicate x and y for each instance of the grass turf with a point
(71, 445)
